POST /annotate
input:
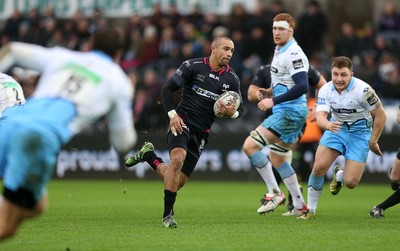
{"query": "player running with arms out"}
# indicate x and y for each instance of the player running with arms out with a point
(11, 92)
(394, 199)
(259, 89)
(355, 127)
(202, 80)
(289, 82)
(75, 89)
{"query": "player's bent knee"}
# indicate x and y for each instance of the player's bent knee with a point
(282, 151)
(350, 184)
(258, 138)
(178, 158)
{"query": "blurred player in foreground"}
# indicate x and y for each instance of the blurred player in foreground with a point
(260, 89)
(394, 199)
(202, 81)
(11, 93)
(356, 125)
(75, 90)
(280, 131)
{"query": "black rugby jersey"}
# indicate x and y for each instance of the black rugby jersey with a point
(201, 87)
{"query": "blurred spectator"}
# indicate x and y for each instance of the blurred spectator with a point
(368, 70)
(11, 25)
(196, 16)
(57, 39)
(96, 20)
(173, 14)
(258, 18)
(389, 19)
(131, 30)
(82, 33)
(389, 78)
(47, 30)
(348, 43)
(238, 17)
(381, 46)
(255, 53)
(311, 28)
(236, 61)
(168, 42)
(169, 50)
(275, 8)
(157, 17)
(209, 23)
(144, 50)
(367, 37)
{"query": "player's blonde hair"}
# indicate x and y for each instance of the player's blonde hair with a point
(286, 17)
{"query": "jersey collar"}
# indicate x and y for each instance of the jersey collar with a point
(101, 54)
(286, 46)
(206, 61)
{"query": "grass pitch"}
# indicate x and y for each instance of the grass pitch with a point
(126, 215)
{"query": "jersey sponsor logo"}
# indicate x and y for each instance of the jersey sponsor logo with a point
(321, 101)
(297, 64)
(225, 86)
(273, 69)
(293, 53)
(343, 110)
(200, 77)
(372, 100)
(204, 93)
(213, 76)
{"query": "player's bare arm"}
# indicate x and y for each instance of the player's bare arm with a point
(325, 124)
(379, 116)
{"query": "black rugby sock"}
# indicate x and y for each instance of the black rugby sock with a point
(169, 201)
(153, 160)
(391, 201)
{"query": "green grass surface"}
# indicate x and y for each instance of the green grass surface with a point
(115, 215)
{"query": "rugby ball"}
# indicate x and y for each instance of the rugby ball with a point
(227, 97)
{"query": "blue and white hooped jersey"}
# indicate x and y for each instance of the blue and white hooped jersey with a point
(287, 61)
(352, 105)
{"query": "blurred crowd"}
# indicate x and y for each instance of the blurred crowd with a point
(157, 44)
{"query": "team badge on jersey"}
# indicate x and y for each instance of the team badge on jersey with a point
(297, 64)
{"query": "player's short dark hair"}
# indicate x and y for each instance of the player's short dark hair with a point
(342, 62)
(217, 40)
(108, 40)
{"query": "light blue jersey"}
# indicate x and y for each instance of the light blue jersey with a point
(352, 108)
(288, 118)
(75, 90)
(287, 61)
